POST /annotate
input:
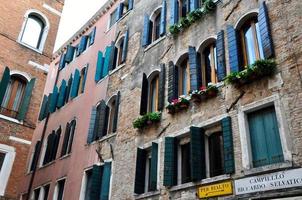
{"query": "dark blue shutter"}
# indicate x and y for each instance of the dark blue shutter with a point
(229, 166)
(26, 99)
(106, 181)
(83, 44)
(62, 61)
(77, 50)
(161, 87)
(4, 83)
(233, 49)
(69, 53)
(62, 93)
(84, 78)
(172, 82)
(107, 61)
(75, 84)
(265, 32)
(197, 145)
(125, 46)
(130, 4)
(174, 12)
(170, 162)
(53, 100)
(92, 36)
(116, 111)
(99, 67)
(139, 186)
(193, 5)
(146, 32)
(195, 69)
(153, 170)
(144, 95)
(96, 182)
(43, 108)
(163, 16)
(90, 136)
(120, 9)
(68, 89)
(102, 119)
(220, 56)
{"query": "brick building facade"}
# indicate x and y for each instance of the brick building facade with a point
(225, 77)
(27, 35)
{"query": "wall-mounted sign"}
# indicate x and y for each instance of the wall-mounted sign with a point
(219, 189)
(272, 181)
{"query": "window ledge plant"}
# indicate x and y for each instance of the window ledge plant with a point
(261, 68)
(204, 93)
(193, 16)
(178, 104)
(147, 120)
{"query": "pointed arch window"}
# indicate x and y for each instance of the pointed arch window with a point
(153, 96)
(209, 64)
(184, 77)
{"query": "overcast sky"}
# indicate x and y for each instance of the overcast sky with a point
(75, 14)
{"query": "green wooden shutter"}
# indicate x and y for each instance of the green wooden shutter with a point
(83, 44)
(92, 36)
(197, 150)
(115, 119)
(170, 162)
(229, 165)
(220, 56)
(125, 46)
(146, 32)
(233, 44)
(139, 186)
(90, 136)
(43, 108)
(96, 182)
(65, 141)
(106, 181)
(107, 61)
(53, 100)
(161, 90)
(163, 15)
(172, 82)
(99, 67)
(62, 61)
(144, 95)
(69, 53)
(195, 69)
(75, 84)
(265, 31)
(68, 89)
(26, 99)
(84, 78)
(62, 93)
(153, 171)
(4, 83)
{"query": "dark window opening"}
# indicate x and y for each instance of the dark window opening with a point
(185, 163)
(216, 154)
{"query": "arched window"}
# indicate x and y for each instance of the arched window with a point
(184, 77)
(153, 93)
(13, 95)
(155, 25)
(34, 30)
(250, 41)
(118, 53)
(111, 114)
(209, 63)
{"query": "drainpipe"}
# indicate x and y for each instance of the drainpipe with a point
(39, 149)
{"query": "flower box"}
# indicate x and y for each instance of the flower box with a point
(182, 103)
(147, 120)
(204, 93)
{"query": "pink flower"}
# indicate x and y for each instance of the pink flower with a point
(202, 88)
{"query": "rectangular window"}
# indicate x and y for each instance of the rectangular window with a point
(82, 80)
(36, 194)
(52, 145)
(59, 190)
(41, 193)
(113, 17)
(184, 163)
(264, 137)
(88, 184)
(215, 154)
(2, 156)
(68, 138)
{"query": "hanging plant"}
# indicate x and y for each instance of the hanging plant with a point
(147, 120)
(204, 93)
(178, 104)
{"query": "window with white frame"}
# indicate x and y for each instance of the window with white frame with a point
(59, 190)
(34, 30)
(41, 193)
(68, 138)
(7, 157)
(113, 17)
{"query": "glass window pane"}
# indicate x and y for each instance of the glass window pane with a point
(153, 95)
(250, 45)
(32, 32)
(259, 41)
(216, 154)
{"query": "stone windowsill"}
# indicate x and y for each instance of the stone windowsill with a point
(65, 156)
(48, 164)
(154, 43)
(117, 68)
(268, 168)
(147, 195)
(204, 181)
(101, 80)
(11, 119)
(29, 47)
(107, 137)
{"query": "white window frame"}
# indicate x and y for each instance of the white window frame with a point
(44, 32)
(7, 166)
(84, 184)
(55, 193)
(245, 135)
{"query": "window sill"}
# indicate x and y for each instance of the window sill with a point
(65, 156)
(268, 168)
(202, 182)
(48, 164)
(101, 80)
(107, 137)
(117, 68)
(11, 119)
(154, 43)
(30, 47)
(147, 195)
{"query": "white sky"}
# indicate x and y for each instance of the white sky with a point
(75, 14)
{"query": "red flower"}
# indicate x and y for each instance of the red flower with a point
(202, 88)
(175, 101)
